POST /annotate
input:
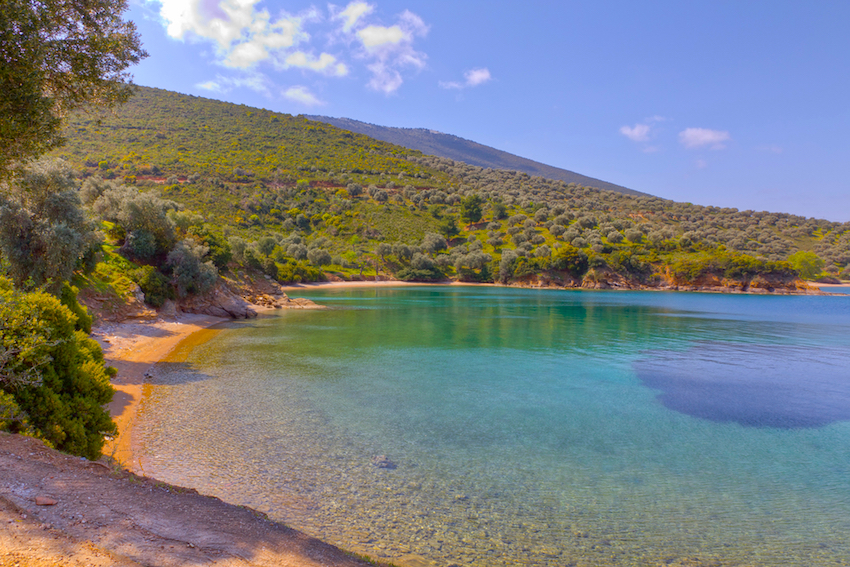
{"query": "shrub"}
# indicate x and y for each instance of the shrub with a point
(190, 273)
(319, 257)
(570, 259)
(53, 381)
(68, 298)
(270, 268)
(153, 284)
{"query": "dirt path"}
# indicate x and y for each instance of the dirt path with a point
(102, 517)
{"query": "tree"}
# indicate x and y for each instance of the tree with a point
(383, 249)
(319, 257)
(57, 56)
(434, 242)
(807, 264)
(470, 208)
(499, 210)
(44, 234)
(191, 273)
(448, 227)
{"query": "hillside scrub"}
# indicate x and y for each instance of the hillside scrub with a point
(345, 204)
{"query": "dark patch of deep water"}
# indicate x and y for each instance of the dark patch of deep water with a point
(754, 385)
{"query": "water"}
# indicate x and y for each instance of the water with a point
(525, 427)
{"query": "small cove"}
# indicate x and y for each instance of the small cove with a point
(528, 427)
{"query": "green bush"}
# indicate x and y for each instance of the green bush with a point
(53, 373)
(570, 259)
(154, 285)
(295, 272)
(68, 297)
(270, 268)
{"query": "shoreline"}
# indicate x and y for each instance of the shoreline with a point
(133, 347)
(351, 284)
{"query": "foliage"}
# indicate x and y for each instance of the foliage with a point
(68, 298)
(807, 264)
(191, 274)
(253, 176)
(154, 285)
(470, 208)
(220, 251)
(448, 227)
(570, 259)
(57, 56)
(44, 234)
(727, 264)
(56, 374)
(296, 272)
(143, 218)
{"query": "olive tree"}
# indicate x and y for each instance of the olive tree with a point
(57, 56)
(44, 234)
(191, 274)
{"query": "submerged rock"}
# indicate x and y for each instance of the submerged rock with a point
(382, 462)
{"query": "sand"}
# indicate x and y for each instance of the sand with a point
(133, 348)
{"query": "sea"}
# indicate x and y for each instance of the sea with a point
(489, 426)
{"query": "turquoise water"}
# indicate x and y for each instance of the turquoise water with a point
(526, 427)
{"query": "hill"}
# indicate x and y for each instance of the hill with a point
(453, 147)
(306, 200)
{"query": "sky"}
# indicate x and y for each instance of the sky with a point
(732, 104)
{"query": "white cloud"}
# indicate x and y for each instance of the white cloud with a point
(474, 77)
(389, 49)
(375, 37)
(773, 149)
(701, 164)
(701, 137)
(254, 81)
(247, 38)
(384, 78)
(637, 133)
(302, 95)
(210, 86)
(243, 36)
(326, 63)
(352, 14)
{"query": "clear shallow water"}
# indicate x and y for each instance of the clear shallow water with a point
(527, 427)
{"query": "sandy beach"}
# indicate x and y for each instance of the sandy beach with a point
(132, 348)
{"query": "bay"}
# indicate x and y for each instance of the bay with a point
(497, 426)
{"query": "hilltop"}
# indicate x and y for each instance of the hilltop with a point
(456, 148)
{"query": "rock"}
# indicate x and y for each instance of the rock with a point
(382, 462)
(45, 501)
(219, 302)
(168, 310)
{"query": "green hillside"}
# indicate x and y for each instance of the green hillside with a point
(250, 174)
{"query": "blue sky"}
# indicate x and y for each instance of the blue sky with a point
(735, 104)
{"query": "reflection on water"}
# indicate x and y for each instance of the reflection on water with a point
(528, 427)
